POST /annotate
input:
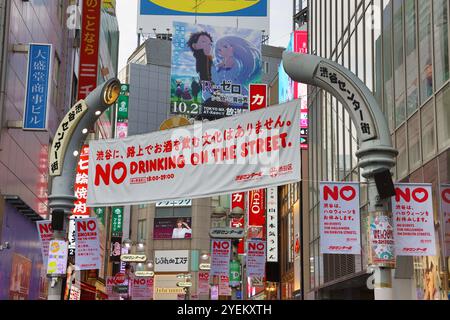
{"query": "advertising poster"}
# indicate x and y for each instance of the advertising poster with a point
(212, 69)
(445, 214)
(172, 228)
(45, 232)
(57, 258)
(220, 257)
(87, 253)
(412, 209)
(142, 288)
(256, 258)
(381, 240)
(255, 150)
(203, 283)
(340, 230)
(19, 287)
(171, 260)
(224, 286)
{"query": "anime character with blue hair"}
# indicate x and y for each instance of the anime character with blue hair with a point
(237, 60)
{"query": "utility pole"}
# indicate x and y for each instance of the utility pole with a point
(64, 154)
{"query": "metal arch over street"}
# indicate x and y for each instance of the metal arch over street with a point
(376, 152)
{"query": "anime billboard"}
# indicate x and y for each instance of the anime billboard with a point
(212, 69)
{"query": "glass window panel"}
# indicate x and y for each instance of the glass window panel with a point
(440, 8)
(414, 142)
(425, 46)
(399, 64)
(402, 158)
(376, 18)
(412, 100)
(387, 63)
(443, 119)
(428, 134)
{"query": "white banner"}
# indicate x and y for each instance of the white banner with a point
(272, 224)
(45, 232)
(240, 153)
(141, 288)
(412, 209)
(445, 214)
(340, 229)
(256, 258)
(220, 257)
(171, 260)
(87, 253)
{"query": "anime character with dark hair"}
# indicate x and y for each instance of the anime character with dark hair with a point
(201, 46)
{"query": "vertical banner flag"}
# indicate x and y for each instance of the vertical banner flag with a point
(256, 258)
(445, 213)
(57, 257)
(81, 183)
(89, 47)
(212, 68)
(110, 284)
(142, 288)
(214, 292)
(224, 286)
(87, 254)
(203, 282)
(258, 96)
(235, 273)
(412, 209)
(220, 257)
(38, 87)
(45, 232)
(117, 221)
(340, 230)
(122, 112)
(256, 214)
(301, 89)
(272, 224)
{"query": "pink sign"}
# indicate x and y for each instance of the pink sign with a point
(87, 254)
(220, 257)
(215, 293)
(110, 283)
(340, 229)
(203, 283)
(445, 207)
(256, 258)
(412, 209)
(45, 232)
(142, 288)
(224, 286)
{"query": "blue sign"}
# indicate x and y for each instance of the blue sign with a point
(241, 8)
(238, 295)
(37, 90)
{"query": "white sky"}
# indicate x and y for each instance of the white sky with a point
(280, 25)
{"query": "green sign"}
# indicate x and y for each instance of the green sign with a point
(235, 273)
(117, 221)
(122, 103)
(100, 213)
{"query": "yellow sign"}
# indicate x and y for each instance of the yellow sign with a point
(170, 290)
(206, 6)
(133, 258)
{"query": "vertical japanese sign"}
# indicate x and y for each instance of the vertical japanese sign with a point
(238, 201)
(117, 221)
(445, 212)
(220, 257)
(340, 229)
(81, 183)
(256, 214)
(256, 258)
(87, 254)
(412, 209)
(203, 282)
(258, 96)
(45, 232)
(122, 112)
(301, 89)
(89, 47)
(272, 224)
(235, 273)
(142, 288)
(57, 257)
(38, 87)
(212, 69)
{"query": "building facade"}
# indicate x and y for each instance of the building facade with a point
(399, 49)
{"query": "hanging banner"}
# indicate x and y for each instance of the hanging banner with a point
(203, 283)
(57, 258)
(381, 247)
(445, 214)
(81, 183)
(214, 292)
(110, 284)
(224, 286)
(412, 209)
(45, 232)
(340, 230)
(272, 225)
(220, 257)
(235, 273)
(256, 258)
(141, 288)
(89, 47)
(38, 87)
(87, 253)
(250, 151)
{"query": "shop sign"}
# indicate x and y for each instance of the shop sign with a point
(272, 224)
(171, 261)
(227, 233)
(133, 258)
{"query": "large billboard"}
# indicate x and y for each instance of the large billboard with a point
(172, 228)
(255, 150)
(158, 15)
(212, 69)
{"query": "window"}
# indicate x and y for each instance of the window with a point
(266, 67)
(412, 99)
(173, 212)
(425, 45)
(402, 158)
(414, 142)
(443, 120)
(142, 230)
(428, 140)
(440, 8)
(399, 64)
(387, 63)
